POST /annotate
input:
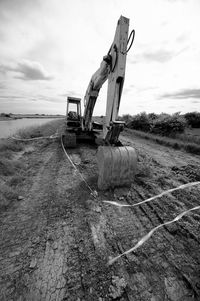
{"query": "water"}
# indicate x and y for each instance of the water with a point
(10, 127)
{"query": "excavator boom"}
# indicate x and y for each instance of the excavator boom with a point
(112, 68)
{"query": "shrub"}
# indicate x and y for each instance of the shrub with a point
(127, 118)
(152, 116)
(167, 125)
(193, 119)
(140, 122)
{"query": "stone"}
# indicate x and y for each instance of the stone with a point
(117, 288)
(13, 254)
(33, 263)
(36, 239)
(55, 245)
(97, 209)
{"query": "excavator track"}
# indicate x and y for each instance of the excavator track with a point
(69, 140)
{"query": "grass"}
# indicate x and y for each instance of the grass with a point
(7, 146)
(12, 171)
(46, 129)
(191, 136)
(179, 142)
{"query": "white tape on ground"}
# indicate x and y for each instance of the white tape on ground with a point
(148, 235)
(35, 138)
(154, 197)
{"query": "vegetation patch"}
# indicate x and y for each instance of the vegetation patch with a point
(12, 166)
(177, 131)
(44, 130)
(8, 146)
(170, 142)
(193, 119)
(163, 124)
(168, 125)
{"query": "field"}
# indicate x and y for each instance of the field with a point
(58, 240)
(5, 117)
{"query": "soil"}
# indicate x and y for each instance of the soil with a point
(57, 238)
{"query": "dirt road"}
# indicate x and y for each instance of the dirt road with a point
(57, 239)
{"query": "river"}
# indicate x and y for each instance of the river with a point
(10, 127)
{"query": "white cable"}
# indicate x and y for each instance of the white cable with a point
(93, 192)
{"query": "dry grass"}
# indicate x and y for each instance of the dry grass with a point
(7, 146)
(46, 129)
(190, 136)
(12, 171)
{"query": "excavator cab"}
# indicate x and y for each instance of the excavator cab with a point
(72, 122)
(73, 114)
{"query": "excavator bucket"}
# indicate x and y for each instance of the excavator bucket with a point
(117, 166)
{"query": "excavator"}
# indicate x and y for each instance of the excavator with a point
(116, 163)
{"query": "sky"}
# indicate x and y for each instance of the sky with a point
(49, 50)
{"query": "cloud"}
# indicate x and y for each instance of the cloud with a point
(126, 90)
(52, 99)
(162, 55)
(183, 94)
(11, 97)
(182, 38)
(71, 93)
(32, 71)
(29, 70)
(2, 86)
(173, 1)
(159, 56)
(68, 93)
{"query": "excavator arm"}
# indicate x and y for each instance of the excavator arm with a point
(92, 92)
(112, 68)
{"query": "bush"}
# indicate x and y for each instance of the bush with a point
(152, 116)
(193, 119)
(167, 125)
(140, 122)
(127, 118)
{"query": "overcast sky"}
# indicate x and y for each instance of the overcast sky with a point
(50, 48)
